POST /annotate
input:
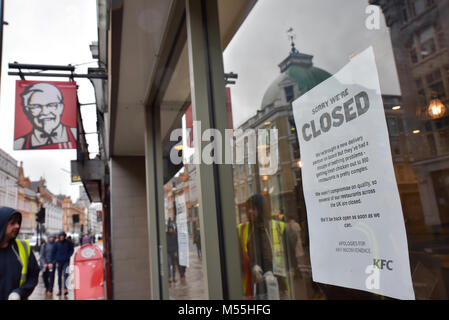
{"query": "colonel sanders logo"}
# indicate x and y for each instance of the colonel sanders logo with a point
(45, 115)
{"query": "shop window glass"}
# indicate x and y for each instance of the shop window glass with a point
(427, 42)
(419, 6)
(404, 16)
(419, 84)
(440, 35)
(295, 150)
(272, 214)
(413, 55)
(393, 127)
(291, 125)
(182, 227)
(444, 141)
(289, 95)
(438, 89)
(250, 189)
(395, 147)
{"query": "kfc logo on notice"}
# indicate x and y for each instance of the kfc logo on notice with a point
(46, 115)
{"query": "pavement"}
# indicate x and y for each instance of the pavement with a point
(193, 288)
(39, 291)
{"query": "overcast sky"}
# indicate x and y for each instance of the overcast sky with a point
(330, 30)
(56, 32)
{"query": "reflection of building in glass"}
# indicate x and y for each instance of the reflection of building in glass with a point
(298, 75)
(180, 185)
(419, 36)
(397, 124)
(285, 188)
(183, 184)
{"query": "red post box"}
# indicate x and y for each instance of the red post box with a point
(89, 273)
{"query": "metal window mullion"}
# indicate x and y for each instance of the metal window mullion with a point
(172, 43)
(200, 93)
(228, 232)
(155, 200)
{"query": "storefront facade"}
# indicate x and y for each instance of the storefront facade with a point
(245, 221)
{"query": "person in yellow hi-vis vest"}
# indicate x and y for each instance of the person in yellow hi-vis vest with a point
(19, 271)
(263, 250)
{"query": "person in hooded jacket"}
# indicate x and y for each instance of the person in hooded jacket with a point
(172, 252)
(48, 266)
(17, 281)
(263, 248)
(61, 253)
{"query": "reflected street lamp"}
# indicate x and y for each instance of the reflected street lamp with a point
(436, 108)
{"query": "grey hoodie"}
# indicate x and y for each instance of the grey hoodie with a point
(45, 253)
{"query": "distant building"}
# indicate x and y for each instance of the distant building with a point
(9, 174)
(94, 219)
(53, 207)
(74, 216)
(83, 199)
(27, 204)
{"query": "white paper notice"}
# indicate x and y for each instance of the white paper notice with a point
(166, 215)
(183, 233)
(356, 226)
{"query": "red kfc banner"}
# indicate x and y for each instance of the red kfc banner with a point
(46, 115)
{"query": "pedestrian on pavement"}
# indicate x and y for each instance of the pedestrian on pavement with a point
(48, 266)
(263, 248)
(197, 241)
(172, 252)
(61, 253)
(69, 239)
(87, 239)
(182, 270)
(171, 222)
(19, 271)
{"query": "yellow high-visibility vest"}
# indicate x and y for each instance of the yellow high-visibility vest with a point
(245, 235)
(278, 248)
(279, 265)
(24, 253)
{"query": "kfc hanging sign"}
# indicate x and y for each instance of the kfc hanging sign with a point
(46, 115)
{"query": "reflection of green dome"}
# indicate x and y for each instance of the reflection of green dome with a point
(298, 68)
